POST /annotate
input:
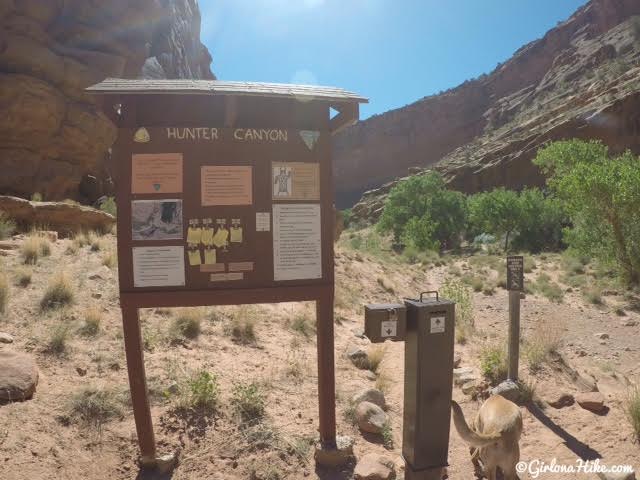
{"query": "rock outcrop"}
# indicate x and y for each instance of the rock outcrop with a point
(52, 135)
(582, 79)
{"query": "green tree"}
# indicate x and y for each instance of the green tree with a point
(423, 212)
(541, 221)
(497, 212)
(602, 198)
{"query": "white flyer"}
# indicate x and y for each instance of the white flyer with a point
(297, 249)
(388, 328)
(158, 266)
(263, 222)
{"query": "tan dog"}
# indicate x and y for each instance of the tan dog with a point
(493, 436)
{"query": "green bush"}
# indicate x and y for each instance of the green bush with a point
(109, 206)
(601, 195)
(493, 363)
(248, 401)
(202, 391)
(456, 291)
(421, 211)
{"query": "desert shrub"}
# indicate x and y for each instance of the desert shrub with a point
(375, 354)
(302, 325)
(632, 408)
(477, 283)
(109, 206)
(94, 407)
(241, 327)
(36, 197)
(602, 198)
(549, 289)
(493, 363)
(59, 293)
(412, 254)
(421, 211)
(23, 276)
(248, 401)
(458, 292)
(529, 264)
(593, 295)
(58, 336)
(387, 436)
(386, 285)
(200, 391)
(186, 324)
(544, 340)
(92, 321)
(4, 293)
(109, 259)
(31, 249)
(7, 226)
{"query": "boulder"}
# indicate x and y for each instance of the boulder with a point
(62, 217)
(370, 417)
(372, 395)
(592, 401)
(5, 338)
(374, 467)
(18, 375)
(335, 457)
(358, 357)
(508, 389)
(561, 400)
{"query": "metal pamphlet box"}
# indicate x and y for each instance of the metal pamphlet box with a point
(225, 197)
(427, 325)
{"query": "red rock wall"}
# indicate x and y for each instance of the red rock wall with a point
(51, 133)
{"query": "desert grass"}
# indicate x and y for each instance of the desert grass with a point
(59, 293)
(23, 276)
(248, 401)
(58, 338)
(302, 324)
(456, 291)
(241, 326)
(7, 226)
(543, 342)
(187, 324)
(493, 362)
(632, 408)
(109, 259)
(34, 247)
(93, 407)
(200, 391)
(549, 289)
(593, 295)
(92, 321)
(375, 355)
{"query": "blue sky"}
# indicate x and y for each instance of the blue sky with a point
(394, 52)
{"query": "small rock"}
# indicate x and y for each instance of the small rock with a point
(358, 357)
(463, 375)
(167, 463)
(173, 388)
(602, 336)
(374, 467)
(18, 375)
(96, 295)
(456, 360)
(592, 401)
(470, 387)
(5, 338)
(334, 457)
(370, 417)
(508, 389)
(562, 400)
(630, 323)
(581, 353)
(81, 371)
(369, 375)
(372, 395)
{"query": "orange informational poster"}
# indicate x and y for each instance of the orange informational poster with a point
(296, 181)
(226, 185)
(156, 173)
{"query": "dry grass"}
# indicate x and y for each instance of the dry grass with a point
(545, 340)
(187, 324)
(92, 321)
(241, 326)
(375, 355)
(7, 226)
(59, 293)
(93, 407)
(109, 259)
(4, 293)
(57, 343)
(34, 247)
(23, 276)
(632, 408)
(384, 382)
(302, 324)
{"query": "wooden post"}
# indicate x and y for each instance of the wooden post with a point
(138, 384)
(514, 333)
(326, 370)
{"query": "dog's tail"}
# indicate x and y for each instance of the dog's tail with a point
(477, 440)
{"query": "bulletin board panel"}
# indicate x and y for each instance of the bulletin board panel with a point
(223, 200)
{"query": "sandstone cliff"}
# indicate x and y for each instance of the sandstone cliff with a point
(52, 135)
(582, 79)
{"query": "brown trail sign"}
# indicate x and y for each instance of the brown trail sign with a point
(225, 197)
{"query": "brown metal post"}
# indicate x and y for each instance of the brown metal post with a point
(514, 333)
(326, 369)
(138, 384)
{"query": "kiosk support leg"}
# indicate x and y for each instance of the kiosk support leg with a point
(138, 385)
(326, 370)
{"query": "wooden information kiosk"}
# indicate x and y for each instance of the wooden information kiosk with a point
(225, 197)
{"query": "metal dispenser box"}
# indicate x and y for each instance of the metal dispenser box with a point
(428, 385)
(385, 321)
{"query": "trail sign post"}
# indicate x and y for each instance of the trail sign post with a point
(515, 284)
(225, 197)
